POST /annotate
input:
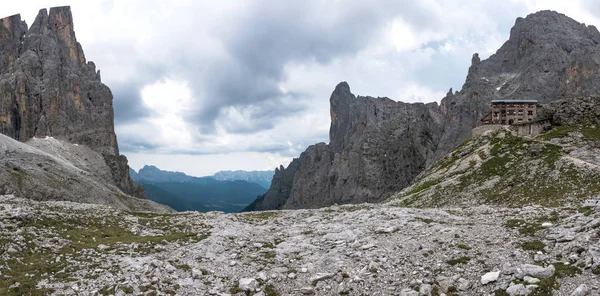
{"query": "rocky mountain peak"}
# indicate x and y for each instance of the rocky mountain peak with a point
(340, 102)
(48, 89)
(378, 146)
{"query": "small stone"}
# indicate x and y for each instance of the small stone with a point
(170, 268)
(547, 224)
(11, 250)
(232, 263)
(262, 276)
(531, 280)
(425, 289)
(291, 275)
(463, 284)
(540, 257)
(517, 290)
(490, 277)
(321, 276)
(389, 229)
(304, 270)
(409, 292)
(367, 246)
(582, 290)
(306, 290)
(248, 284)
(444, 283)
(257, 245)
(196, 274)
(102, 247)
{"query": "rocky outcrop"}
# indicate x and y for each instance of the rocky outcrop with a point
(377, 146)
(47, 88)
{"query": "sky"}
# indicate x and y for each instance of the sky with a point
(204, 86)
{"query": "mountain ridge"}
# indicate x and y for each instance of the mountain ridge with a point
(548, 56)
(47, 88)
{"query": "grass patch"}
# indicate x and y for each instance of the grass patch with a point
(423, 186)
(586, 211)
(461, 260)
(463, 246)
(534, 245)
(524, 227)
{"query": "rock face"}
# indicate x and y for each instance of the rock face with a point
(378, 146)
(48, 89)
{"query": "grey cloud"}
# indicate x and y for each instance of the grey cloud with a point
(273, 34)
(128, 104)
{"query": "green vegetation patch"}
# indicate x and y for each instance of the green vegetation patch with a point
(534, 245)
(461, 260)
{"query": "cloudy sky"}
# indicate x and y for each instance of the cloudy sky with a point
(203, 86)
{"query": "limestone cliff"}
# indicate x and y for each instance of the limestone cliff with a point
(378, 146)
(47, 88)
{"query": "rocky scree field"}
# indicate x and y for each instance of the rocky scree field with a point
(66, 248)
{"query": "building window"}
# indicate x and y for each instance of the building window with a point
(530, 112)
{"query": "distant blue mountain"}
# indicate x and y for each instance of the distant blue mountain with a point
(187, 193)
(262, 178)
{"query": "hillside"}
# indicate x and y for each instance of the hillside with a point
(558, 168)
(378, 146)
(51, 169)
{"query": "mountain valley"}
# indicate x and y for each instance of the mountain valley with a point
(406, 199)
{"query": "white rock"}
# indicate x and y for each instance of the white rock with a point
(102, 247)
(547, 224)
(519, 289)
(490, 277)
(389, 229)
(367, 246)
(262, 276)
(232, 263)
(304, 270)
(531, 280)
(291, 275)
(306, 290)
(248, 284)
(582, 290)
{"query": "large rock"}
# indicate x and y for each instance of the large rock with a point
(48, 89)
(378, 146)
